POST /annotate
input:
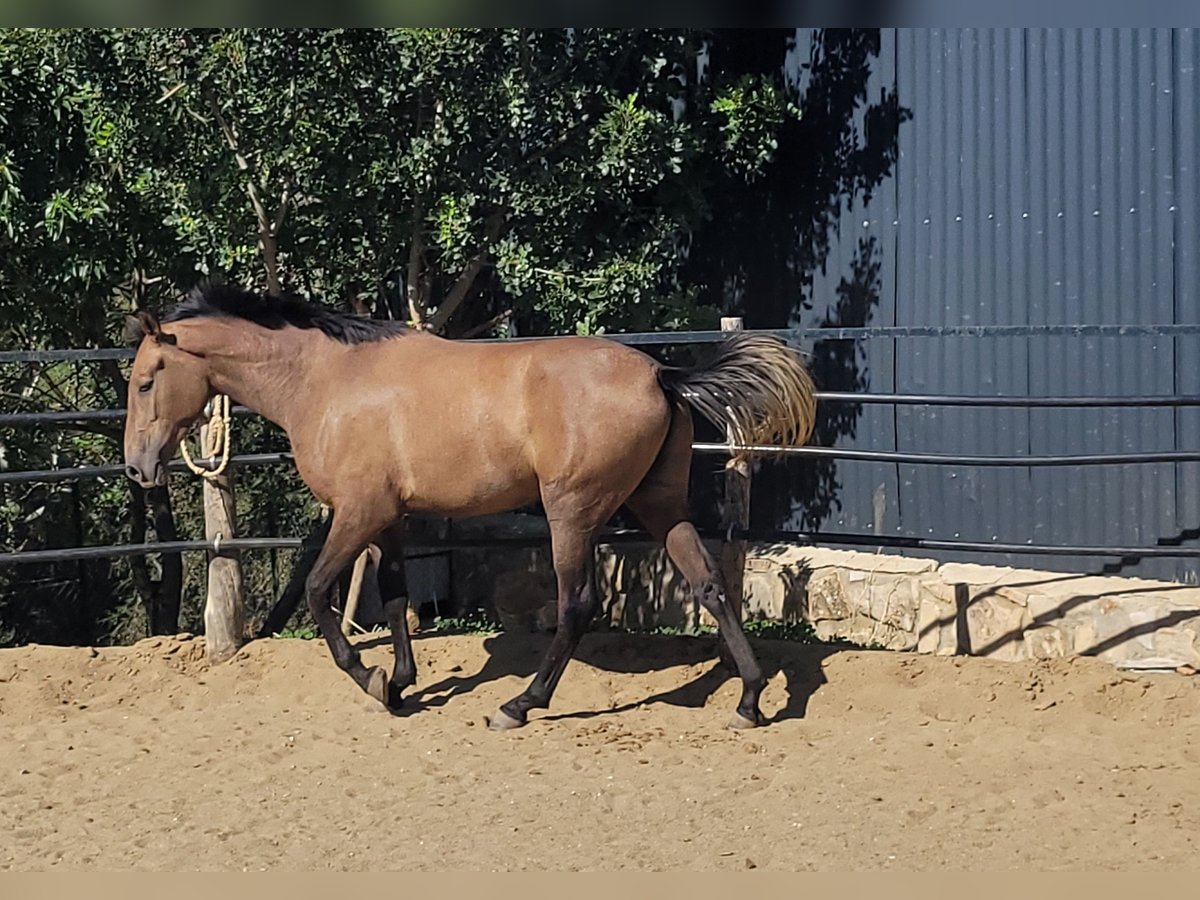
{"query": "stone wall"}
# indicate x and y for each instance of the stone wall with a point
(900, 603)
(638, 586)
(904, 603)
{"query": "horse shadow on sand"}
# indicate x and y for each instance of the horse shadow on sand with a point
(519, 654)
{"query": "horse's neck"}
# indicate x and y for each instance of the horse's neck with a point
(270, 374)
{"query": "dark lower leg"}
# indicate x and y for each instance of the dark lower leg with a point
(394, 588)
(687, 552)
(344, 655)
(712, 598)
(342, 545)
(405, 672)
(577, 602)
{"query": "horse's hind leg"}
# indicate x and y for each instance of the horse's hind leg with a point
(574, 564)
(660, 504)
(347, 537)
(393, 586)
(689, 554)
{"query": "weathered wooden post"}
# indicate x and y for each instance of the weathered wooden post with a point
(225, 605)
(735, 513)
(354, 592)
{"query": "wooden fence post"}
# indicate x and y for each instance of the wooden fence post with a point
(354, 592)
(735, 514)
(225, 605)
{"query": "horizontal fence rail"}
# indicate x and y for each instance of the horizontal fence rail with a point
(80, 473)
(616, 536)
(1157, 400)
(950, 459)
(69, 416)
(112, 470)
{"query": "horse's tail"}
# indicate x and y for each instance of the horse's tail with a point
(756, 388)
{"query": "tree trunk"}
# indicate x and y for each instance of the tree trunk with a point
(139, 567)
(170, 586)
(284, 608)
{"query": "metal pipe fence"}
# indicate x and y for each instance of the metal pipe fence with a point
(67, 418)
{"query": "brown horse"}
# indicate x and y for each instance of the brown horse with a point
(386, 421)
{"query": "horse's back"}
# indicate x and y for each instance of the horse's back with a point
(470, 428)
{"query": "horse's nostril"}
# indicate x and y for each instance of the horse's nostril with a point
(133, 473)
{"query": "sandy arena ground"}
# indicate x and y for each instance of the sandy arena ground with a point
(145, 758)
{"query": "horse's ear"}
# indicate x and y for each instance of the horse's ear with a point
(148, 322)
(134, 330)
(143, 324)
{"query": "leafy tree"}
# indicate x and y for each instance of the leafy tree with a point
(73, 240)
(450, 175)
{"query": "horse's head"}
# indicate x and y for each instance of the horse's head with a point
(168, 388)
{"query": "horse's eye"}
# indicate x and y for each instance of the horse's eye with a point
(145, 387)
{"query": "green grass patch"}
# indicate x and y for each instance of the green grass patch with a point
(800, 632)
(297, 634)
(468, 623)
(478, 622)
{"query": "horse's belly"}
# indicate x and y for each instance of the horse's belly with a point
(460, 488)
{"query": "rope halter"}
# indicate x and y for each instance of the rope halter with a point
(216, 440)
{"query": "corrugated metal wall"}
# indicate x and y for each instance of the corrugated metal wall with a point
(1047, 176)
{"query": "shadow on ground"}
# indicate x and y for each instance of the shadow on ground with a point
(515, 654)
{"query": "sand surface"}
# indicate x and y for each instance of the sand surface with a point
(145, 758)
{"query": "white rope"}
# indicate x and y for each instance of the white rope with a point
(217, 441)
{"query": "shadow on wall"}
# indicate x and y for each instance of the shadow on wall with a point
(775, 592)
(811, 490)
(1101, 644)
(765, 240)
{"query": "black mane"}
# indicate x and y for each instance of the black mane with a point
(214, 300)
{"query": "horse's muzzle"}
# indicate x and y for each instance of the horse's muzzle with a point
(156, 478)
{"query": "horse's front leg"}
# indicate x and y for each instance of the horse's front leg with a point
(393, 588)
(574, 564)
(348, 535)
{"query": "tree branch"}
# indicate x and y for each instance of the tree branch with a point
(416, 250)
(562, 139)
(282, 209)
(486, 326)
(462, 287)
(268, 228)
(415, 295)
(138, 566)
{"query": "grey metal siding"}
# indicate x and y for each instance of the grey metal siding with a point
(1047, 176)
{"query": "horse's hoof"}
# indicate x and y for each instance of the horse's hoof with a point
(741, 723)
(377, 685)
(395, 696)
(502, 721)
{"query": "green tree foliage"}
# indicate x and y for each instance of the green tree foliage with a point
(469, 181)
